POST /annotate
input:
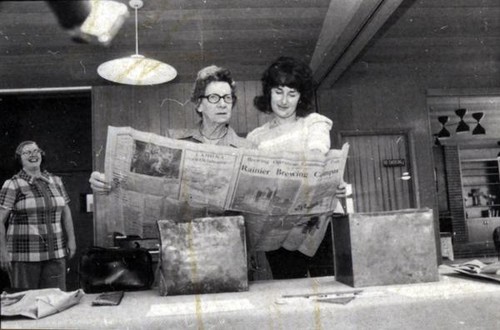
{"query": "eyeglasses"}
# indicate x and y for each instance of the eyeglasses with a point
(33, 152)
(215, 98)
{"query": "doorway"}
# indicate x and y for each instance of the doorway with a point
(61, 124)
(379, 167)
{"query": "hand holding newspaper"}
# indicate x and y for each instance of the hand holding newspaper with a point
(155, 177)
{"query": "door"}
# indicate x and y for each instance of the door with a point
(480, 230)
(375, 167)
(60, 122)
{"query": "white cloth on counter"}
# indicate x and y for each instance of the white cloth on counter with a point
(40, 303)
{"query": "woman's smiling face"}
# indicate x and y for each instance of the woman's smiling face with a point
(284, 102)
(31, 156)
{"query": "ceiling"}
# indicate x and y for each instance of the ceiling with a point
(243, 35)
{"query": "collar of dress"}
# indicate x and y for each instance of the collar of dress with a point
(45, 176)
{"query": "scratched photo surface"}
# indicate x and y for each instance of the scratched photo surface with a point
(391, 76)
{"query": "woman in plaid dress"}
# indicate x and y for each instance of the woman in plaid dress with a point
(40, 235)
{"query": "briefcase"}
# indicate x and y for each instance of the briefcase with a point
(114, 269)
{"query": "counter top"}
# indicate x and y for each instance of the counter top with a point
(313, 303)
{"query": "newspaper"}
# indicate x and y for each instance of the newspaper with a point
(155, 177)
(478, 269)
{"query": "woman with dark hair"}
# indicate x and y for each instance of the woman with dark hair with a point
(40, 235)
(287, 71)
(287, 93)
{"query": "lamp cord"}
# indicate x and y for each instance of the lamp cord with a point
(136, 33)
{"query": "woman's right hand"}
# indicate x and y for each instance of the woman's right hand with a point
(98, 183)
(5, 261)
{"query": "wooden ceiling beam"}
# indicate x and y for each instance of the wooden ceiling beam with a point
(354, 23)
(343, 21)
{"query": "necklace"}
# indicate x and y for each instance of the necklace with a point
(212, 139)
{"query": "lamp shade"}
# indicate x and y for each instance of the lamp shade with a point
(136, 70)
(443, 133)
(478, 130)
(461, 112)
(462, 127)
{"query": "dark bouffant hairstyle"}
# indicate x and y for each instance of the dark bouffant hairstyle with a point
(206, 76)
(18, 154)
(290, 72)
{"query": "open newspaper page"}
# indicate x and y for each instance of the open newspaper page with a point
(207, 174)
(135, 162)
(279, 192)
(317, 191)
(287, 184)
(155, 177)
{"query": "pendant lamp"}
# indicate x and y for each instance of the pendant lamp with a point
(136, 69)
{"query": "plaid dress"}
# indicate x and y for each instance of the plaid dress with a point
(35, 231)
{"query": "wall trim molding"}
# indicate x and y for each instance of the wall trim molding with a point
(463, 92)
(45, 90)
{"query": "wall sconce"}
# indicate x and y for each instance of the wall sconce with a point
(462, 125)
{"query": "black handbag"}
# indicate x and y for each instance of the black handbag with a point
(115, 269)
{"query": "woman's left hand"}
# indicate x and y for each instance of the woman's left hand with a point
(71, 248)
(341, 191)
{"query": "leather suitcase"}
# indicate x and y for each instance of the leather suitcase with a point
(115, 269)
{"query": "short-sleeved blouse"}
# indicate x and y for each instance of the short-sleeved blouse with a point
(306, 133)
(35, 231)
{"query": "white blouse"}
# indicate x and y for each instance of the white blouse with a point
(305, 134)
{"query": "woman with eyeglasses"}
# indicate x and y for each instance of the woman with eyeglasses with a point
(40, 234)
(288, 92)
(214, 96)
